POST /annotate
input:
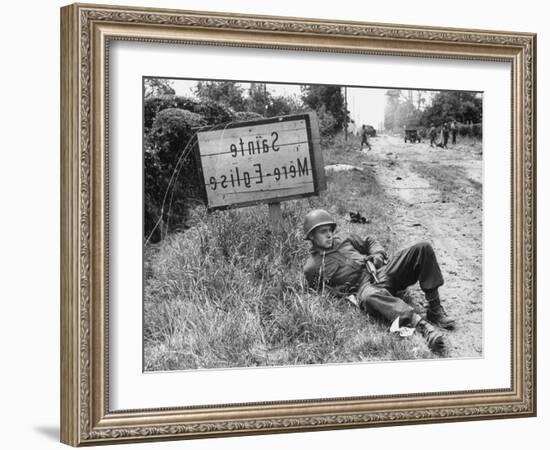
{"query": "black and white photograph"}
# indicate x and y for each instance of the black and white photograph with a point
(275, 225)
(295, 224)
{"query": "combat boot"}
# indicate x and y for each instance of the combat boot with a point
(437, 315)
(434, 338)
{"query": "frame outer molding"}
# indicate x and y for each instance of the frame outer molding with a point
(70, 314)
(85, 32)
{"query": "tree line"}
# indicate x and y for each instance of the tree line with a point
(257, 100)
(408, 108)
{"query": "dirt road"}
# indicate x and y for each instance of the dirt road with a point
(436, 196)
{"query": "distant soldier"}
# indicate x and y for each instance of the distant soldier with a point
(445, 134)
(454, 131)
(347, 264)
(433, 134)
(365, 137)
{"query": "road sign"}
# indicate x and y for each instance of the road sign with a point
(261, 161)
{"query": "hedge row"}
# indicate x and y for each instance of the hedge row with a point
(171, 180)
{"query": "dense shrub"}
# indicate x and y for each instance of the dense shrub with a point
(170, 124)
(169, 141)
(154, 105)
(212, 112)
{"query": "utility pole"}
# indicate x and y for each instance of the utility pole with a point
(265, 97)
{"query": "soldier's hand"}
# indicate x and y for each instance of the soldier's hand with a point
(377, 259)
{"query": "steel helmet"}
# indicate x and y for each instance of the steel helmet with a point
(317, 218)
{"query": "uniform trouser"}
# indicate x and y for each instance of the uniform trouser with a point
(416, 263)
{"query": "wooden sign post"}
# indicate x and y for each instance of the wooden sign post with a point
(276, 217)
(262, 161)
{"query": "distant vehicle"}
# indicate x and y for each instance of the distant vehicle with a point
(411, 135)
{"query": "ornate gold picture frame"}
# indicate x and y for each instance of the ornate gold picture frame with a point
(87, 31)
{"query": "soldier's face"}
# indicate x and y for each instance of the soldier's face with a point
(322, 237)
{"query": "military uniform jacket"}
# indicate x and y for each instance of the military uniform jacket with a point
(343, 265)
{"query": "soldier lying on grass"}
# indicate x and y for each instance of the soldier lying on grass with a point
(339, 263)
